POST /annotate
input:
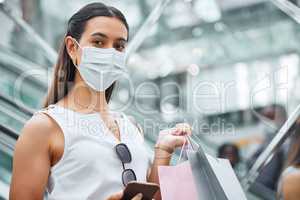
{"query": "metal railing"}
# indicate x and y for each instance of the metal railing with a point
(21, 66)
(19, 106)
(274, 145)
(8, 138)
(288, 8)
(8, 135)
(9, 132)
(143, 32)
(48, 51)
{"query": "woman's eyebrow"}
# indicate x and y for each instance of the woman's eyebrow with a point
(100, 34)
(105, 36)
(122, 40)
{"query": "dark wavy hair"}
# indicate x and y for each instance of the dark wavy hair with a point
(64, 70)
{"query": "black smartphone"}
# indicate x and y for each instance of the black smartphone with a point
(147, 189)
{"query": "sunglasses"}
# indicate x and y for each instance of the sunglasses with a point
(124, 155)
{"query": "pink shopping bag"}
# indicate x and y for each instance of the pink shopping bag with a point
(177, 182)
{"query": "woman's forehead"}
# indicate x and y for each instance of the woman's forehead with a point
(110, 26)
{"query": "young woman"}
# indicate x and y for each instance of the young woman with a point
(76, 148)
(289, 185)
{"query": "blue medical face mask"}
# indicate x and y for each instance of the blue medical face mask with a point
(100, 67)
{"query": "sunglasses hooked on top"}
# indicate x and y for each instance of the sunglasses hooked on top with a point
(124, 155)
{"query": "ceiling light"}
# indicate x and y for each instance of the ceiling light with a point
(208, 10)
(2, 3)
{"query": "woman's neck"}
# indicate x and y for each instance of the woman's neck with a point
(86, 100)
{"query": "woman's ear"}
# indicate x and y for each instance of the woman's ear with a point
(71, 48)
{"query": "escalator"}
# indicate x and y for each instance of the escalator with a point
(12, 118)
(7, 140)
(16, 107)
(13, 113)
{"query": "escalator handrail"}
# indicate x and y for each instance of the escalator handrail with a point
(289, 8)
(20, 65)
(22, 108)
(151, 20)
(48, 51)
(282, 135)
(9, 132)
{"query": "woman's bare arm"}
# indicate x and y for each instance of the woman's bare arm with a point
(31, 163)
(161, 158)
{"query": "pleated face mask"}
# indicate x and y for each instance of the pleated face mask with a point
(100, 67)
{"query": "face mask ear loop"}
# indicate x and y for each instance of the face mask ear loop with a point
(75, 64)
(77, 43)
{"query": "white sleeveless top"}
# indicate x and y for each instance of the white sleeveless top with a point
(89, 167)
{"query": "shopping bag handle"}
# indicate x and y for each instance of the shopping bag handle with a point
(191, 140)
(181, 151)
(188, 140)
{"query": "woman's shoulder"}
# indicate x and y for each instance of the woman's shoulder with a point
(39, 126)
(41, 121)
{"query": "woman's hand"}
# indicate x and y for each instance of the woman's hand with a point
(172, 138)
(119, 195)
(166, 143)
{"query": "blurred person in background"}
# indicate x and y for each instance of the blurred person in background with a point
(231, 152)
(76, 147)
(289, 184)
(273, 117)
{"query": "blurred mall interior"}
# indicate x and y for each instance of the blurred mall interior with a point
(228, 67)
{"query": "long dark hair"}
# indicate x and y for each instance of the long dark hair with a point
(64, 71)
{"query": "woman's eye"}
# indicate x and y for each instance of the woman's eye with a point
(120, 47)
(98, 43)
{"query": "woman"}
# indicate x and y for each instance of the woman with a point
(289, 185)
(76, 148)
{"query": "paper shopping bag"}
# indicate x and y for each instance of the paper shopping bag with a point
(214, 178)
(177, 182)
